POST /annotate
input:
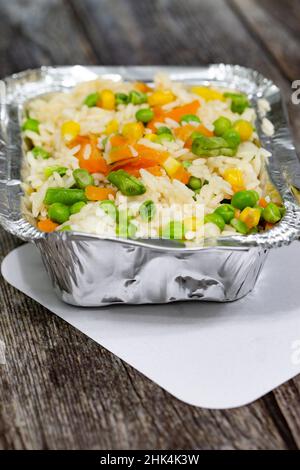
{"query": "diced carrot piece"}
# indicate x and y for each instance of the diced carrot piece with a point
(262, 202)
(78, 140)
(147, 157)
(203, 130)
(120, 164)
(95, 163)
(118, 140)
(158, 117)
(182, 175)
(180, 111)
(47, 225)
(120, 153)
(141, 86)
(175, 114)
(184, 132)
(150, 153)
(268, 226)
(94, 193)
(134, 163)
(154, 170)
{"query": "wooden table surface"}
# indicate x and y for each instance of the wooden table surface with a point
(59, 389)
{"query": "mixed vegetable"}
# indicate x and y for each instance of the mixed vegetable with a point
(245, 211)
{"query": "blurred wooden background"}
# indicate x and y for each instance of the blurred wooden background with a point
(58, 388)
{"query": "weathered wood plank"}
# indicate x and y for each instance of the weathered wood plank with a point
(61, 390)
(278, 40)
(41, 32)
(180, 32)
(288, 400)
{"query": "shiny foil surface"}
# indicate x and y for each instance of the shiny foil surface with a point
(88, 270)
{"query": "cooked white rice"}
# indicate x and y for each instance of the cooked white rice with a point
(174, 200)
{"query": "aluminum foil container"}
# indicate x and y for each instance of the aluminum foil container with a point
(88, 270)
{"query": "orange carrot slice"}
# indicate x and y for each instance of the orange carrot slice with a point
(141, 86)
(47, 225)
(262, 202)
(177, 113)
(119, 153)
(95, 162)
(94, 193)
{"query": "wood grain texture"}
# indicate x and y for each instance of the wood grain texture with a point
(58, 388)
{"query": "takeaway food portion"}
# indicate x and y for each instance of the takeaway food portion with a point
(132, 160)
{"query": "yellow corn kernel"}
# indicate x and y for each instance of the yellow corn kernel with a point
(111, 127)
(69, 130)
(250, 216)
(244, 128)
(172, 166)
(151, 137)
(161, 97)
(133, 130)
(207, 93)
(107, 99)
(235, 178)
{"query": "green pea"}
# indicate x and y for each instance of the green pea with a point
(226, 211)
(126, 183)
(82, 178)
(271, 213)
(39, 152)
(239, 102)
(174, 230)
(58, 212)
(110, 209)
(186, 164)
(31, 125)
(64, 196)
(75, 208)
(49, 170)
(164, 137)
(163, 130)
(254, 194)
(194, 183)
(144, 115)
(232, 138)
(221, 125)
(189, 118)
(239, 226)
(215, 219)
(239, 105)
(121, 98)
(92, 99)
(147, 210)
(245, 198)
(137, 97)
